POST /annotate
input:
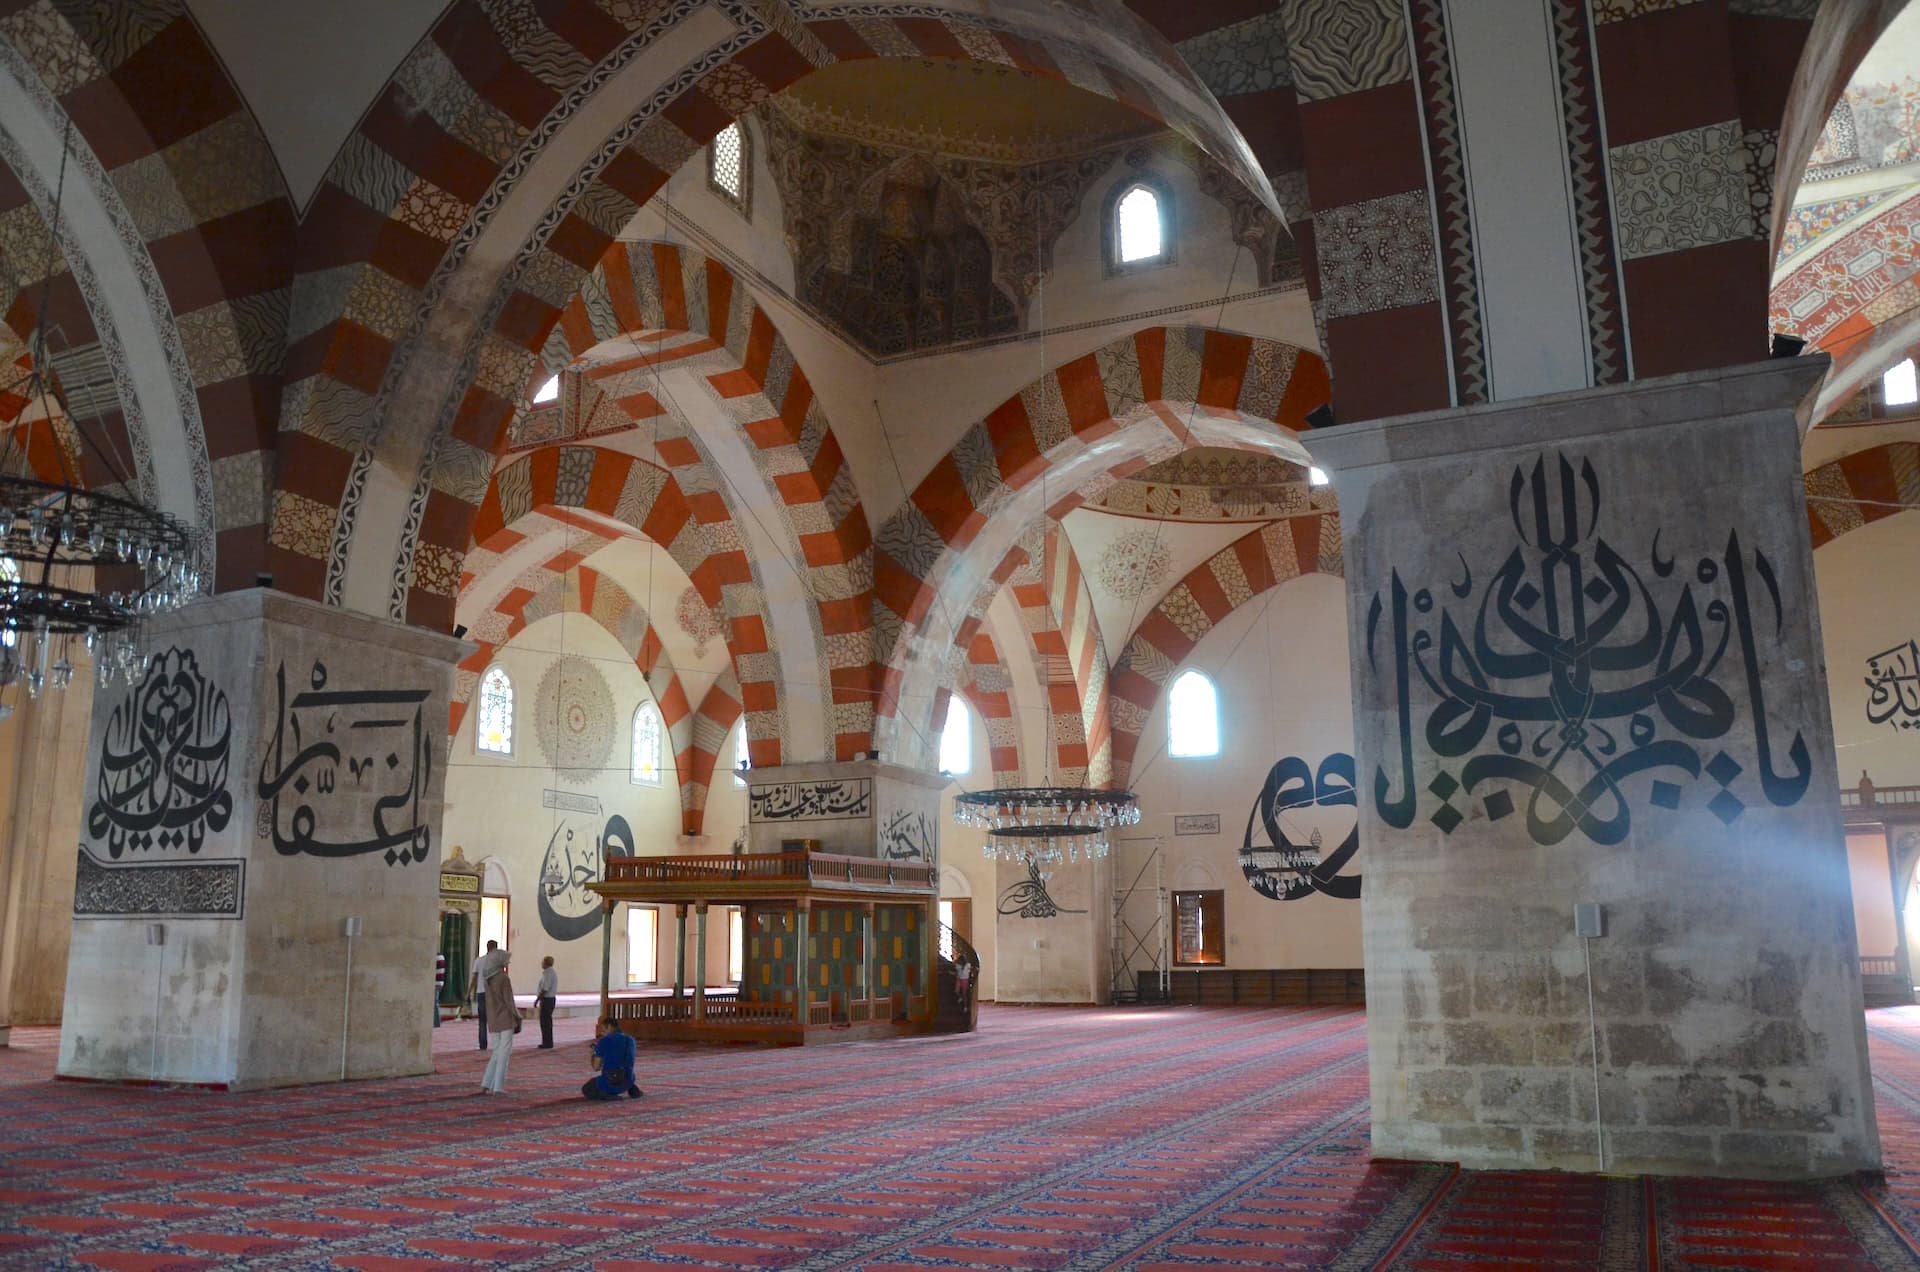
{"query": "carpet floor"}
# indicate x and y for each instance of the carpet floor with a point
(1052, 1139)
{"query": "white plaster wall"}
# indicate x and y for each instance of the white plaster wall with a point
(1868, 605)
(494, 803)
(961, 850)
(1279, 664)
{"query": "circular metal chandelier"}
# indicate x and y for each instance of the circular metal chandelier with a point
(78, 561)
(1046, 825)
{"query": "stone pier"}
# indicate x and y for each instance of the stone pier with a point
(1587, 669)
(256, 882)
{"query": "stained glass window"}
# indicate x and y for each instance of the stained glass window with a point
(956, 739)
(1139, 234)
(646, 745)
(1193, 716)
(728, 168)
(494, 729)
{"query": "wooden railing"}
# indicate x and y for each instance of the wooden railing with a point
(654, 1009)
(739, 1012)
(1874, 965)
(819, 1013)
(870, 1009)
(772, 867)
(1867, 795)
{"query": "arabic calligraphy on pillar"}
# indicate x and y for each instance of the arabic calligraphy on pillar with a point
(907, 835)
(1282, 869)
(1893, 687)
(345, 771)
(811, 801)
(1589, 671)
(163, 762)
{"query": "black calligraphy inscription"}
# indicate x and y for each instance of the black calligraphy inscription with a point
(163, 762)
(1893, 687)
(811, 801)
(569, 909)
(159, 889)
(1585, 675)
(1029, 899)
(907, 836)
(331, 749)
(1281, 869)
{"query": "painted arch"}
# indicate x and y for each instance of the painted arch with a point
(1135, 400)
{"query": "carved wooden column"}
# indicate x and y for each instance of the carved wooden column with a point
(680, 950)
(802, 914)
(606, 954)
(699, 958)
(866, 956)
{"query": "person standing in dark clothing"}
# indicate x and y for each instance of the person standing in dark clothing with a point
(546, 994)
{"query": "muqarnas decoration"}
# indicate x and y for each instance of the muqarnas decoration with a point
(1585, 671)
(162, 782)
(1282, 869)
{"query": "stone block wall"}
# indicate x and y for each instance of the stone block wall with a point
(279, 771)
(1587, 668)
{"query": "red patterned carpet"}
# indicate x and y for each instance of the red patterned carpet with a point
(1053, 1139)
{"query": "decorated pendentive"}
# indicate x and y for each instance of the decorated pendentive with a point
(573, 719)
(1575, 684)
(1285, 854)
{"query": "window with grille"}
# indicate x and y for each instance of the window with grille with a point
(493, 730)
(729, 165)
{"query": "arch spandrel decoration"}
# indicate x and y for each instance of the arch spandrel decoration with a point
(661, 289)
(647, 499)
(1247, 568)
(1136, 400)
(1854, 490)
(460, 152)
(152, 111)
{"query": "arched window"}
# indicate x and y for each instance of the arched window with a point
(493, 729)
(647, 731)
(956, 739)
(1193, 716)
(1139, 225)
(730, 166)
(742, 761)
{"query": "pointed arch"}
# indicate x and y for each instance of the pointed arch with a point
(429, 201)
(184, 363)
(662, 289)
(1854, 490)
(634, 493)
(1244, 569)
(1135, 400)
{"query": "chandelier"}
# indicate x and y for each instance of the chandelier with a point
(78, 561)
(1046, 825)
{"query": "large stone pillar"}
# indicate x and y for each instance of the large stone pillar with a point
(1587, 668)
(266, 799)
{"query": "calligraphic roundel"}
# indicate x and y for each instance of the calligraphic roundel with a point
(163, 762)
(1281, 869)
(569, 909)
